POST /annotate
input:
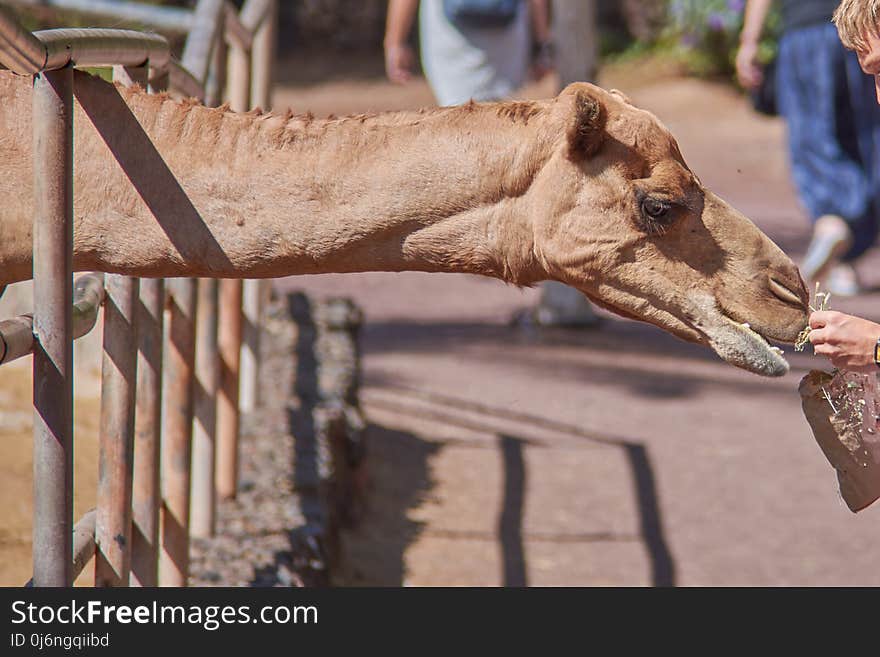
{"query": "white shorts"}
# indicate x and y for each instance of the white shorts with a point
(473, 63)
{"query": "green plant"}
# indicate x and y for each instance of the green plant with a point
(705, 33)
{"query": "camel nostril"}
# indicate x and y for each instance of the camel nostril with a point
(787, 294)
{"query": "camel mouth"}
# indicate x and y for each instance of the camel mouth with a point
(740, 345)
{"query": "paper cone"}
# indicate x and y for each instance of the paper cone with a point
(855, 454)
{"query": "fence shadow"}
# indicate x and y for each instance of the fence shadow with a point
(148, 172)
(510, 528)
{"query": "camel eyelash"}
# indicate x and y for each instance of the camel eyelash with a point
(656, 214)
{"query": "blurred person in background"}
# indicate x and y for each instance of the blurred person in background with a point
(471, 49)
(833, 133)
(853, 343)
(483, 50)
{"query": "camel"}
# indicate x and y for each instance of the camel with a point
(584, 188)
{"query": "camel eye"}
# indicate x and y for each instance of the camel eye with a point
(655, 209)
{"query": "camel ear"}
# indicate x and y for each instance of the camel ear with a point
(586, 126)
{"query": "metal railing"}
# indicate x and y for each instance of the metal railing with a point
(138, 533)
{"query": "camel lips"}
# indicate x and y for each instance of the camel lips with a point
(775, 350)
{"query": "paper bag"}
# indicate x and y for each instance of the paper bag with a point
(853, 449)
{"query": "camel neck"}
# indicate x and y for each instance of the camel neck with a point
(210, 192)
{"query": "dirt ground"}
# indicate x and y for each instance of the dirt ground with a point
(506, 456)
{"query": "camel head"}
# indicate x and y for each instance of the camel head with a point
(632, 227)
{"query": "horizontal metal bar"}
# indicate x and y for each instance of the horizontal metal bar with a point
(103, 47)
(17, 334)
(16, 338)
(88, 295)
(83, 543)
(172, 19)
(20, 51)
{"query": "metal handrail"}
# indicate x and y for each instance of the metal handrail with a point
(49, 50)
(20, 51)
(171, 19)
(102, 47)
(17, 334)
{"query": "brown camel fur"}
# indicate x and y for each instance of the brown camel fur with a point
(585, 189)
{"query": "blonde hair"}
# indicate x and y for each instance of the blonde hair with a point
(855, 19)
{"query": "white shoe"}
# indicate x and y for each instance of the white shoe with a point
(842, 281)
(831, 240)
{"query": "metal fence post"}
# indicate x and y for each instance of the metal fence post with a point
(231, 318)
(264, 58)
(255, 291)
(204, 456)
(205, 427)
(53, 320)
(226, 479)
(146, 495)
(118, 383)
(118, 380)
(177, 396)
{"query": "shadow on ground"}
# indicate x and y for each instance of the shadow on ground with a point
(577, 355)
(400, 481)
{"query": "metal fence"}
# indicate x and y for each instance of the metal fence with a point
(140, 531)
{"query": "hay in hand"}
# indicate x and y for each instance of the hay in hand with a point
(820, 302)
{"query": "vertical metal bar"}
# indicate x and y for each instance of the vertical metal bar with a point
(116, 435)
(250, 348)
(143, 523)
(205, 429)
(177, 432)
(146, 496)
(217, 75)
(53, 322)
(203, 498)
(228, 421)
(113, 526)
(263, 60)
(239, 79)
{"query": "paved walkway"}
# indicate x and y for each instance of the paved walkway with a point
(612, 457)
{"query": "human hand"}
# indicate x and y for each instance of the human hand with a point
(399, 60)
(748, 72)
(846, 340)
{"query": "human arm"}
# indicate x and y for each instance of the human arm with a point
(748, 72)
(399, 57)
(846, 340)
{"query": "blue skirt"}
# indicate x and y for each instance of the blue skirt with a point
(833, 120)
